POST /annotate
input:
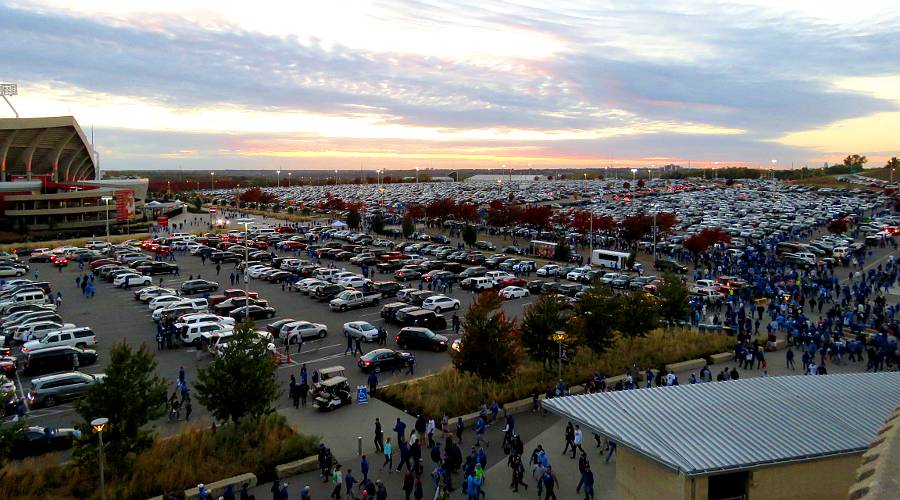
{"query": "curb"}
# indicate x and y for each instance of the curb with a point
(217, 488)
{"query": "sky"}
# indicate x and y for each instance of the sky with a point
(377, 84)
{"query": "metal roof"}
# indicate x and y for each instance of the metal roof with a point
(704, 428)
(53, 145)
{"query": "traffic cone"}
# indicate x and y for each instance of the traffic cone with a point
(287, 352)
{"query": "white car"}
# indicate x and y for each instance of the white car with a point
(148, 293)
(336, 278)
(354, 281)
(548, 270)
(190, 319)
(362, 329)
(307, 284)
(133, 279)
(577, 273)
(608, 278)
(162, 301)
(305, 329)
(438, 303)
(257, 271)
(12, 271)
(97, 245)
(513, 292)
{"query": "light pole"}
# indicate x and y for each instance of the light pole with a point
(212, 176)
(106, 200)
(417, 175)
(892, 175)
(98, 425)
(560, 336)
(7, 89)
(655, 211)
(774, 162)
(633, 182)
(246, 222)
(335, 177)
(278, 178)
(289, 179)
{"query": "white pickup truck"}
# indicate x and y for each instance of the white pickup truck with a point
(351, 299)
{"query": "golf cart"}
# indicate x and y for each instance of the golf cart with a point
(332, 393)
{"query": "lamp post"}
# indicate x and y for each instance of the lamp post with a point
(278, 178)
(559, 337)
(417, 175)
(655, 211)
(106, 200)
(892, 175)
(7, 89)
(774, 162)
(335, 177)
(289, 179)
(633, 182)
(246, 222)
(98, 425)
(212, 176)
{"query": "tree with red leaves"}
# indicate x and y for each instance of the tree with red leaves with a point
(837, 226)
(665, 221)
(256, 195)
(641, 184)
(440, 209)
(415, 210)
(703, 240)
(465, 212)
(536, 216)
(635, 227)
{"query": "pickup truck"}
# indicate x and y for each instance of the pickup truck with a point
(228, 294)
(350, 299)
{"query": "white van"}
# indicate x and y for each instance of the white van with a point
(196, 333)
(325, 273)
(25, 297)
(481, 283)
(496, 276)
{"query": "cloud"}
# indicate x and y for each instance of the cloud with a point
(588, 77)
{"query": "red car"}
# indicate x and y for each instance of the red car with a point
(59, 260)
(284, 229)
(293, 245)
(101, 262)
(511, 281)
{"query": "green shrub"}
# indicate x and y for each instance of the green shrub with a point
(455, 393)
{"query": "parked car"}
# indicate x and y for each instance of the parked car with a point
(79, 337)
(420, 338)
(438, 303)
(378, 360)
(198, 286)
(56, 359)
(34, 440)
(421, 317)
(53, 389)
(253, 312)
(361, 329)
(514, 292)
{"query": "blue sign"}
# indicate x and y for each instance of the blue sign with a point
(362, 394)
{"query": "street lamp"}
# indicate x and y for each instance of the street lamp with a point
(246, 222)
(559, 337)
(7, 89)
(633, 181)
(289, 179)
(417, 175)
(773, 168)
(335, 177)
(655, 211)
(212, 175)
(106, 200)
(278, 178)
(98, 425)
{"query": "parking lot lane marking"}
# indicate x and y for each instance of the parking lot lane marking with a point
(317, 349)
(325, 358)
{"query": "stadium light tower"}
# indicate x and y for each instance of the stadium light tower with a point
(8, 89)
(278, 178)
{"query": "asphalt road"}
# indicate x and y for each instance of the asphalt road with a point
(115, 316)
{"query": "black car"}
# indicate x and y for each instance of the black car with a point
(589, 277)
(151, 268)
(494, 262)
(57, 359)
(328, 292)
(420, 338)
(550, 287)
(389, 311)
(535, 286)
(198, 286)
(472, 272)
(260, 256)
(388, 266)
(386, 288)
(219, 257)
(253, 312)
(666, 265)
(34, 440)
(422, 317)
(511, 250)
(440, 238)
(416, 298)
(379, 360)
(569, 289)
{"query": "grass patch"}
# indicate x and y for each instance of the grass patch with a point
(173, 464)
(831, 181)
(454, 393)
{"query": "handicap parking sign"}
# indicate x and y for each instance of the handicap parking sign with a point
(362, 394)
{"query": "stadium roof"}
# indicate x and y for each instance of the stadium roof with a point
(40, 146)
(714, 427)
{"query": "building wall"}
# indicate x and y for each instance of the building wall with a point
(827, 478)
(638, 478)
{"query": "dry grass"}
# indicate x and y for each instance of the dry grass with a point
(455, 393)
(180, 462)
(830, 181)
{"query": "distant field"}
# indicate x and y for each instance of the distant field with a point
(880, 173)
(830, 181)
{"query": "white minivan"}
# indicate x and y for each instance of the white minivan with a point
(25, 297)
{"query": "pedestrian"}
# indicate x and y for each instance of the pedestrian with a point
(379, 436)
(364, 470)
(58, 299)
(388, 450)
(357, 349)
(549, 481)
(349, 481)
(373, 383)
(337, 481)
(410, 365)
(408, 484)
(188, 408)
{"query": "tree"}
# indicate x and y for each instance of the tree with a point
(641, 183)
(241, 382)
(541, 320)
(893, 163)
(131, 395)
(635, 227)
(837, 226)
(377, 224)
(638, 315)
(706, 238)
(673, 299)
(353, 219)
(408, 226)
(469, 235)
(490, 346)
(855, 162)
(595, 318)
(562, 250)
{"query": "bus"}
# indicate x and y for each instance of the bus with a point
(609, 259)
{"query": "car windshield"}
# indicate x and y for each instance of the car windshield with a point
(364, 326)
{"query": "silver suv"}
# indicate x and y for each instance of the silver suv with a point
(53, 389)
